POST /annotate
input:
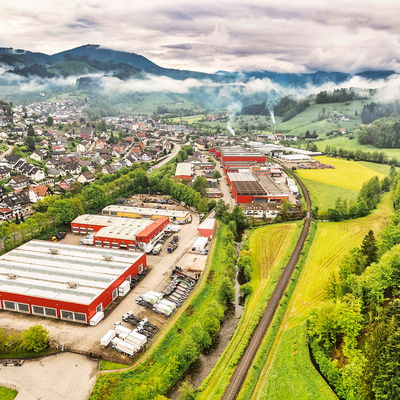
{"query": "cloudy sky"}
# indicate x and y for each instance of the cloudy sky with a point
(205, 35)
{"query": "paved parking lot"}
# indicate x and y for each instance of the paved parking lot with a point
(61, 377)
(84, 337)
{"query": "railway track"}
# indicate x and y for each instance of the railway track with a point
(250, 352)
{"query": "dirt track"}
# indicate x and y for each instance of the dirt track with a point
(254, 344)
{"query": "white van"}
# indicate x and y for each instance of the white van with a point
(157, 248)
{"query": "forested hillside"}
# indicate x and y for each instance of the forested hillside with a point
(355, 334)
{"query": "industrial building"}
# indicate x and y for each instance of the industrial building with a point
(67, 282)
(249, 188)
(207, 228)
(184, 171)
(118, 232)
(176, 216)
(229, 154)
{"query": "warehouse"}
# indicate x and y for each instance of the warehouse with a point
(249, 188)
(176, 216)
(207, 227)
(64, 281)
(229, 154)
(184, 171)
(118, 232)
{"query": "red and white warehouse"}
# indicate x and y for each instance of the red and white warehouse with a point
(64, 281)
(229, 154)
(251, 188)
(119, 232)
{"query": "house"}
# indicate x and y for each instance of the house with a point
(55, 172)
(6, 213)
(108, 169)
(66, 184)
(38, 192)
(19, 203)
(18, 182)
(38, 155)
(5, 172)
(86, 177)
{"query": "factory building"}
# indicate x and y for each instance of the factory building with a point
(67, 282)
(184, 171)
(250, 188)
(230, 154)
(118, 232)
(176, 216)
(207, 228)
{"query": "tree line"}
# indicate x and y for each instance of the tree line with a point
(378, 157)
(288, 107)
(384, 133)
(372, 111)
(367, 200)
(35, 339)
(355, 334)
(337, 96)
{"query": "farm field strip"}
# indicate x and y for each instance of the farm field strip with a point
(270, 247)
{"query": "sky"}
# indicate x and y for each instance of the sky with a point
(205, 35)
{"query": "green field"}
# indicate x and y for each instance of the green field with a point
(311, 119)
(270, 248)
(7, 394)
(352, 144)
(288, 372)
(345, 180)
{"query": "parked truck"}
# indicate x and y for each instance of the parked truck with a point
(88, 240)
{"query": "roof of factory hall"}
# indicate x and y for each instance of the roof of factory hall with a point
(148, 212)
(239, 151)
(241, 177)
(270, 187)
(248, 188)
(61, 271)
(184, 169)
(130, 231)
(108, 221)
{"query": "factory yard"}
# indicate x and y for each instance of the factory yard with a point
(84, 337)
(49, 378)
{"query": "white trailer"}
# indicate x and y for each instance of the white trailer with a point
(124, 288)
(136, 339)
(164, 309)
(200, 244)
(167, 303)
(106, 339)
(96, 318)
(123, 347)
(121, 330)
(151, 296)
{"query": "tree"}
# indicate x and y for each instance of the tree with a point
(30, 143)
(217, 174)
(369, 248)
(200, 185)
(35, 338)
(186, 391)
(49, 121)
(31, 131)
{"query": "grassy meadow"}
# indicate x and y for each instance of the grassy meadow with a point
(287, 372)
(311, 118)
(7, 394)
(345, 180)
(270, 248)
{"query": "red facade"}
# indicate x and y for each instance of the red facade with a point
(90, 310)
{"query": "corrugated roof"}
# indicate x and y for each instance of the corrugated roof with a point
(44, 269)
(148, 212)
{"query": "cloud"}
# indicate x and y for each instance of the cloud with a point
(151, 84)
(305, 35)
